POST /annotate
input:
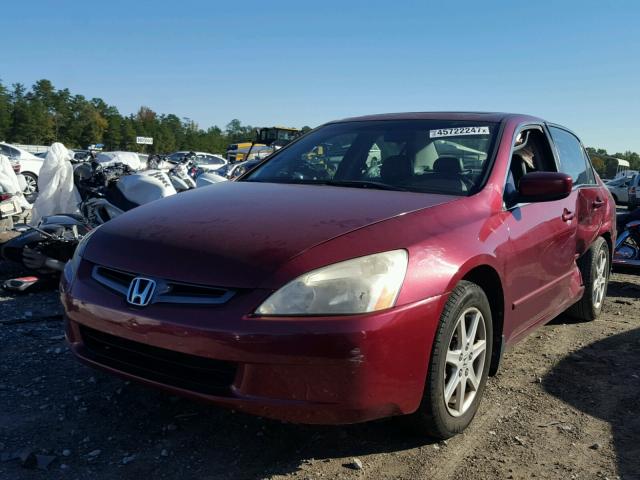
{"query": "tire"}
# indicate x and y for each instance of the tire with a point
(436, 417)
(32, 183)
(594, 267)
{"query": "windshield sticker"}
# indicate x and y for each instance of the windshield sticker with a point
(454, 132)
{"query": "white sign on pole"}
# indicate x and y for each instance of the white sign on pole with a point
(144, 140)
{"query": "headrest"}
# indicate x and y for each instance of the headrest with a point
(448, 164)
(518, 164)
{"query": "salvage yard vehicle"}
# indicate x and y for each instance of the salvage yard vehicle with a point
(13, 204)
(627, 251)
(29, 163)
(9, 208)
(277, 136)
(236, 152)
(105, 190)
(619, 189)
(268, 140)
(634, 193)
(107, 187)
(350, 293)
(207, 161)
(235, 170)
(244, 154)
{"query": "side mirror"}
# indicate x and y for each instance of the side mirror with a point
(544, 187)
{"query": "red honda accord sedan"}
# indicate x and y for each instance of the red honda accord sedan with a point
(376, 266)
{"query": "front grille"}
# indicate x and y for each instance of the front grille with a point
(167, 291)
(191, 372)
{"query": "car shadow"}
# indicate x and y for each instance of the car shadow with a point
(603, 380)
(621, 292)
(227, 444)
(623, 289)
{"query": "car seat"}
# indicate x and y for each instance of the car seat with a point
(447, 170)
(396, 169)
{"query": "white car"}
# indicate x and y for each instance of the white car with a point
(209, 162)
(29, 165)
(619, 188)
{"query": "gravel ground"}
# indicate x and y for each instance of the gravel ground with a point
(565, 405)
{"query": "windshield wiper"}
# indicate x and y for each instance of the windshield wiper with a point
(363, 184)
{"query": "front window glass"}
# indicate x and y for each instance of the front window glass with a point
(436, 156)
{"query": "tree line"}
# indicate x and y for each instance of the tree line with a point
(606, 165)
(43, 115)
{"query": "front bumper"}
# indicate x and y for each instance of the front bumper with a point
(329, 370)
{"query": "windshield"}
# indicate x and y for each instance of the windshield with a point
(435, 156)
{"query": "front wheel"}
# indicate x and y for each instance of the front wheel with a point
(32, 183)
(594, 268)
(459, 364)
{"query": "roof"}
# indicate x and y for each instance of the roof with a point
(476, 116)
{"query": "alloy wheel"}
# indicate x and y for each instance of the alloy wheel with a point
(600, 279)
(465, 361)
(32, 185)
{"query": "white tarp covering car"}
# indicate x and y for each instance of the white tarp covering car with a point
(12, 201)
(12, 183)
(58, 193)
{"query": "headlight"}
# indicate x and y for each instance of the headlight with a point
(364, 284)
(71, 267)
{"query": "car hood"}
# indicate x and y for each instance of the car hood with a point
(235, 234)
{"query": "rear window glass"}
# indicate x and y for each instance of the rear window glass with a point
(436, 156)
(573, 159)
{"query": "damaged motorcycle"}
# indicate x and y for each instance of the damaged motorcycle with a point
(105, 192)
(627, 249)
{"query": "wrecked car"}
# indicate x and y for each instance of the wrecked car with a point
(347, 290)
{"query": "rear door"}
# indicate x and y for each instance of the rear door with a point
(588, 195)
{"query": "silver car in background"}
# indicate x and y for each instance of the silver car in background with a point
(633, 193)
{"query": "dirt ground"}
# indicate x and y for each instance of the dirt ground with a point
(565, 405)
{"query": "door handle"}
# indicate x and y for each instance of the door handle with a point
(567, 215)
(597, 203)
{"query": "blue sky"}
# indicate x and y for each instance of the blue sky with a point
(303, 63)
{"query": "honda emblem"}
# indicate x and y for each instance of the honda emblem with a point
(141, 291)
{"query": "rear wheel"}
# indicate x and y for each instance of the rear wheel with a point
(594, 267)
(459, 363)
